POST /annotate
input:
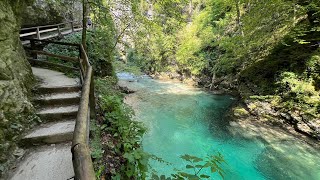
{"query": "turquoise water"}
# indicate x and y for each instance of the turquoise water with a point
(185, 120)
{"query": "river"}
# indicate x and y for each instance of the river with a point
(185, 120)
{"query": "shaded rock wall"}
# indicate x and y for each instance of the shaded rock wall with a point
(16, 76)
(44, 12)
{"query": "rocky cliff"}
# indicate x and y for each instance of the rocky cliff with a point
(44, 12)
(16, 77)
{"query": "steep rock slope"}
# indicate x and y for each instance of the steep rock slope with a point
(15, 77)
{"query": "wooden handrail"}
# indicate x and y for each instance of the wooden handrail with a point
(50, 25)
(52, 42)
(82, 163)
(54, 27)
(81, 156)
(67, 58)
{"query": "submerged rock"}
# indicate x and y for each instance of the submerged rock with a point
(124, 76)
(125, 87)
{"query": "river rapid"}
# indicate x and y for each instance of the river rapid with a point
(185, 120)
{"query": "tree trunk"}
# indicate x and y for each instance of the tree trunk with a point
(239, 17)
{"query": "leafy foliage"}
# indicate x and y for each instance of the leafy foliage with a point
(115, 122)
(99, 56)
(235, 45)
(299, 95)
(197, 165)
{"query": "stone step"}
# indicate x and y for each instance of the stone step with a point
(59, 99)
(57, 89)
(50, 78)
(43, 63)
(50, 133)
(58, 113)
(47, 162)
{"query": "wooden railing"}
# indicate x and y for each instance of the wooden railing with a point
(58, 29)
(81, 156)
(82, 163)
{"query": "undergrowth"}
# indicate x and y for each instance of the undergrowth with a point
(119, 154)
(100, 57)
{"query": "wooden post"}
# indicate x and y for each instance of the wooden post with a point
(59, 31)
(38, 33)
(33, 47)
(72, 27)
(80, 53)
(92, 100)
(84, 24)
(81, 71)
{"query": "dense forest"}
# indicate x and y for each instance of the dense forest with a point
(266, 54)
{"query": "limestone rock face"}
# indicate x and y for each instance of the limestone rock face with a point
(45, 12)
(16, 76)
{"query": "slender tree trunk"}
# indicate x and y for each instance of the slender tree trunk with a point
(190, 11)
(239, 17)
(84, 24)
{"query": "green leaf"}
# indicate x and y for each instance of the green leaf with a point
(189, 166)
(196, 159)
(204, 176)
(189, 176)
(206, 165)
(103, 126)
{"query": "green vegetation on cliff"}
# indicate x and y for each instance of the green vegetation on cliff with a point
(238, 46)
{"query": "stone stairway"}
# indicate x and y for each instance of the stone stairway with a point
(49, 145)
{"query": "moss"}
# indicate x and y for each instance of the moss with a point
(240, 112)
(16, 80)
(252, 106)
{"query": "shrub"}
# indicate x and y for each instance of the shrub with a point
(100, 53)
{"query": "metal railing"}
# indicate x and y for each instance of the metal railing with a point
(81, 156)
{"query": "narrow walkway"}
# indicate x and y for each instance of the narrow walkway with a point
(48, 146)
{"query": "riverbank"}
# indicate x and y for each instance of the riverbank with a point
(270, 110)
(249, 146)
(256, 124)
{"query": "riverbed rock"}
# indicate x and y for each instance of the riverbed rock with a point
(304, 128)
(240, 112)
(125, 87)
(265, 110)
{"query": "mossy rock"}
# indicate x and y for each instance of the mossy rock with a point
(240, 112)
(16, 79)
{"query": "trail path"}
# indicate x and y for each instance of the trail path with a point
(48, 146)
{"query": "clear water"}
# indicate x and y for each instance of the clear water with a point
(184, 120)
